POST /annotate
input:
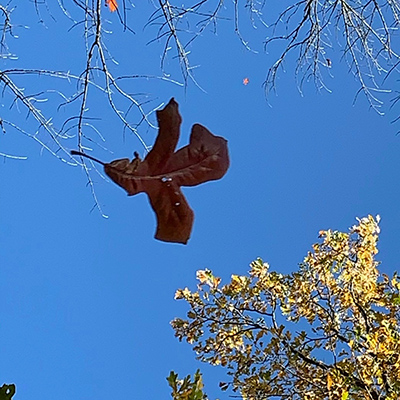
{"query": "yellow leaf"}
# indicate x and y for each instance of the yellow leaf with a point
(329, 381)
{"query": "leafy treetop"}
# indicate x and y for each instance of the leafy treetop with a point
(328, 331)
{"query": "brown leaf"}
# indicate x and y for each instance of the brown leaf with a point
(164, 171)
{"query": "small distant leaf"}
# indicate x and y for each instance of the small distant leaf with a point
(112, 5)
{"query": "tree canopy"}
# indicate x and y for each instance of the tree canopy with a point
(327, 331)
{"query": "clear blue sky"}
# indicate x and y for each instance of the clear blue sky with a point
(85, 302)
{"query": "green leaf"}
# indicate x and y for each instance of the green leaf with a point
(7, 392)
(396, 299)
(172, 380)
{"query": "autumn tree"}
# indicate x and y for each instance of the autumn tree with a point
(327, 331)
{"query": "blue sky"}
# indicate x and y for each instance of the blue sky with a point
(85, 302)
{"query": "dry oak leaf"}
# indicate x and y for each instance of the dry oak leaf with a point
(112, 5)
(163, 171)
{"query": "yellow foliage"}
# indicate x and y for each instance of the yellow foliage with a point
(338, 332)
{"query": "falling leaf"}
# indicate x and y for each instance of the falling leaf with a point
(246, 81)
(162, 173)
(112, 5)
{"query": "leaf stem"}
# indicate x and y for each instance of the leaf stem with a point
(79, 153)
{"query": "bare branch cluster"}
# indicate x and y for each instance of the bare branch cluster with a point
(176, 28)
(306, 27)
(362, 30)
(97, 77)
